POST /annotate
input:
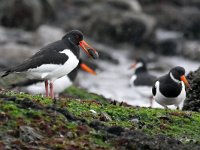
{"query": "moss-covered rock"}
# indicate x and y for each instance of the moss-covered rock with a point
(84, 120)
(192, 101)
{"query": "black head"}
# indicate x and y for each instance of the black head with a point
(139, 66)
(74, 37)
(177, 72)
(142, 62)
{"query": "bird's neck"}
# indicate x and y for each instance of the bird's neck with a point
(173, 78)
(74, 48)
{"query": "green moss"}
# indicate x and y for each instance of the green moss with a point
(38, 98)
(84, 94)
(184, 126)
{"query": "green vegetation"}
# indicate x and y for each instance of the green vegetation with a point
(66, 124)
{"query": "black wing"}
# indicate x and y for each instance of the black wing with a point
(154, 90)
(34, 62)
(53, 47)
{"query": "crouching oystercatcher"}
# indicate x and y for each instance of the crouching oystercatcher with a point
(55, 60)
(141, 80)
(36, 86)
(170, 88)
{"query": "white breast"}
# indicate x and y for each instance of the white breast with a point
(162, 100)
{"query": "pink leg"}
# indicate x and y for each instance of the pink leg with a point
(46, 88)
(51, 90)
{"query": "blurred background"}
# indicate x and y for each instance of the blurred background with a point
(165, 33)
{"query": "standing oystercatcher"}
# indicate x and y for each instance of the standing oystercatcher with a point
(142, 81)
(170, 89)
(35, 86)
(55, 60)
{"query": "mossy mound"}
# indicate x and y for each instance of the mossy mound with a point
(88, 121)
(192, 101)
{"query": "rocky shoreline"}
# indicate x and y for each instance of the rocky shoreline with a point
(81, 120)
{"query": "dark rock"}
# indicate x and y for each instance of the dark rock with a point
(180, 3)
(115, 26)
(138, 140)
(25, 14)
(191, 50)
(170, 17)
(192, 101)
(27, 103)
(117, 130)
(29, 134)
(107, 57)
(63, 111)
(12, 98)
(97, 125)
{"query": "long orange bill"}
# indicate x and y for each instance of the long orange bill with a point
(89, 50)
(132, 66)
(87, 69)
(183, 78)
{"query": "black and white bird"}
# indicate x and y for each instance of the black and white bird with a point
(35, 86)
(170, 88)
(55, 60)
(141, 80)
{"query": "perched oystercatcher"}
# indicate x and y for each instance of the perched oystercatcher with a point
(55, 60)
(35, 86)
(142, 81)
(170, 88)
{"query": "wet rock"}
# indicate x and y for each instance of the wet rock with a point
(117, 26)
(168, 42)
(170, 17)
(25, 14)
(63, 111)
(192, 101)
(12, 53)
(46, 34)
(27, 103)
(29, 134)
(11, 98)
(117, 130)
(126, 5)
(97, 125)
(193, 3)
(191, 50)
(138, 140)
(130, 28)
(17, 44)
(15, 36)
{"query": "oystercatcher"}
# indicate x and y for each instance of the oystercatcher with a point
(35, 86)
(170, 88)
(55, 60)
(142, 81)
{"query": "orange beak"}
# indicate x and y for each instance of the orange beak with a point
(183, 78)
(88, 49)
(132, 66)
(87, 69)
